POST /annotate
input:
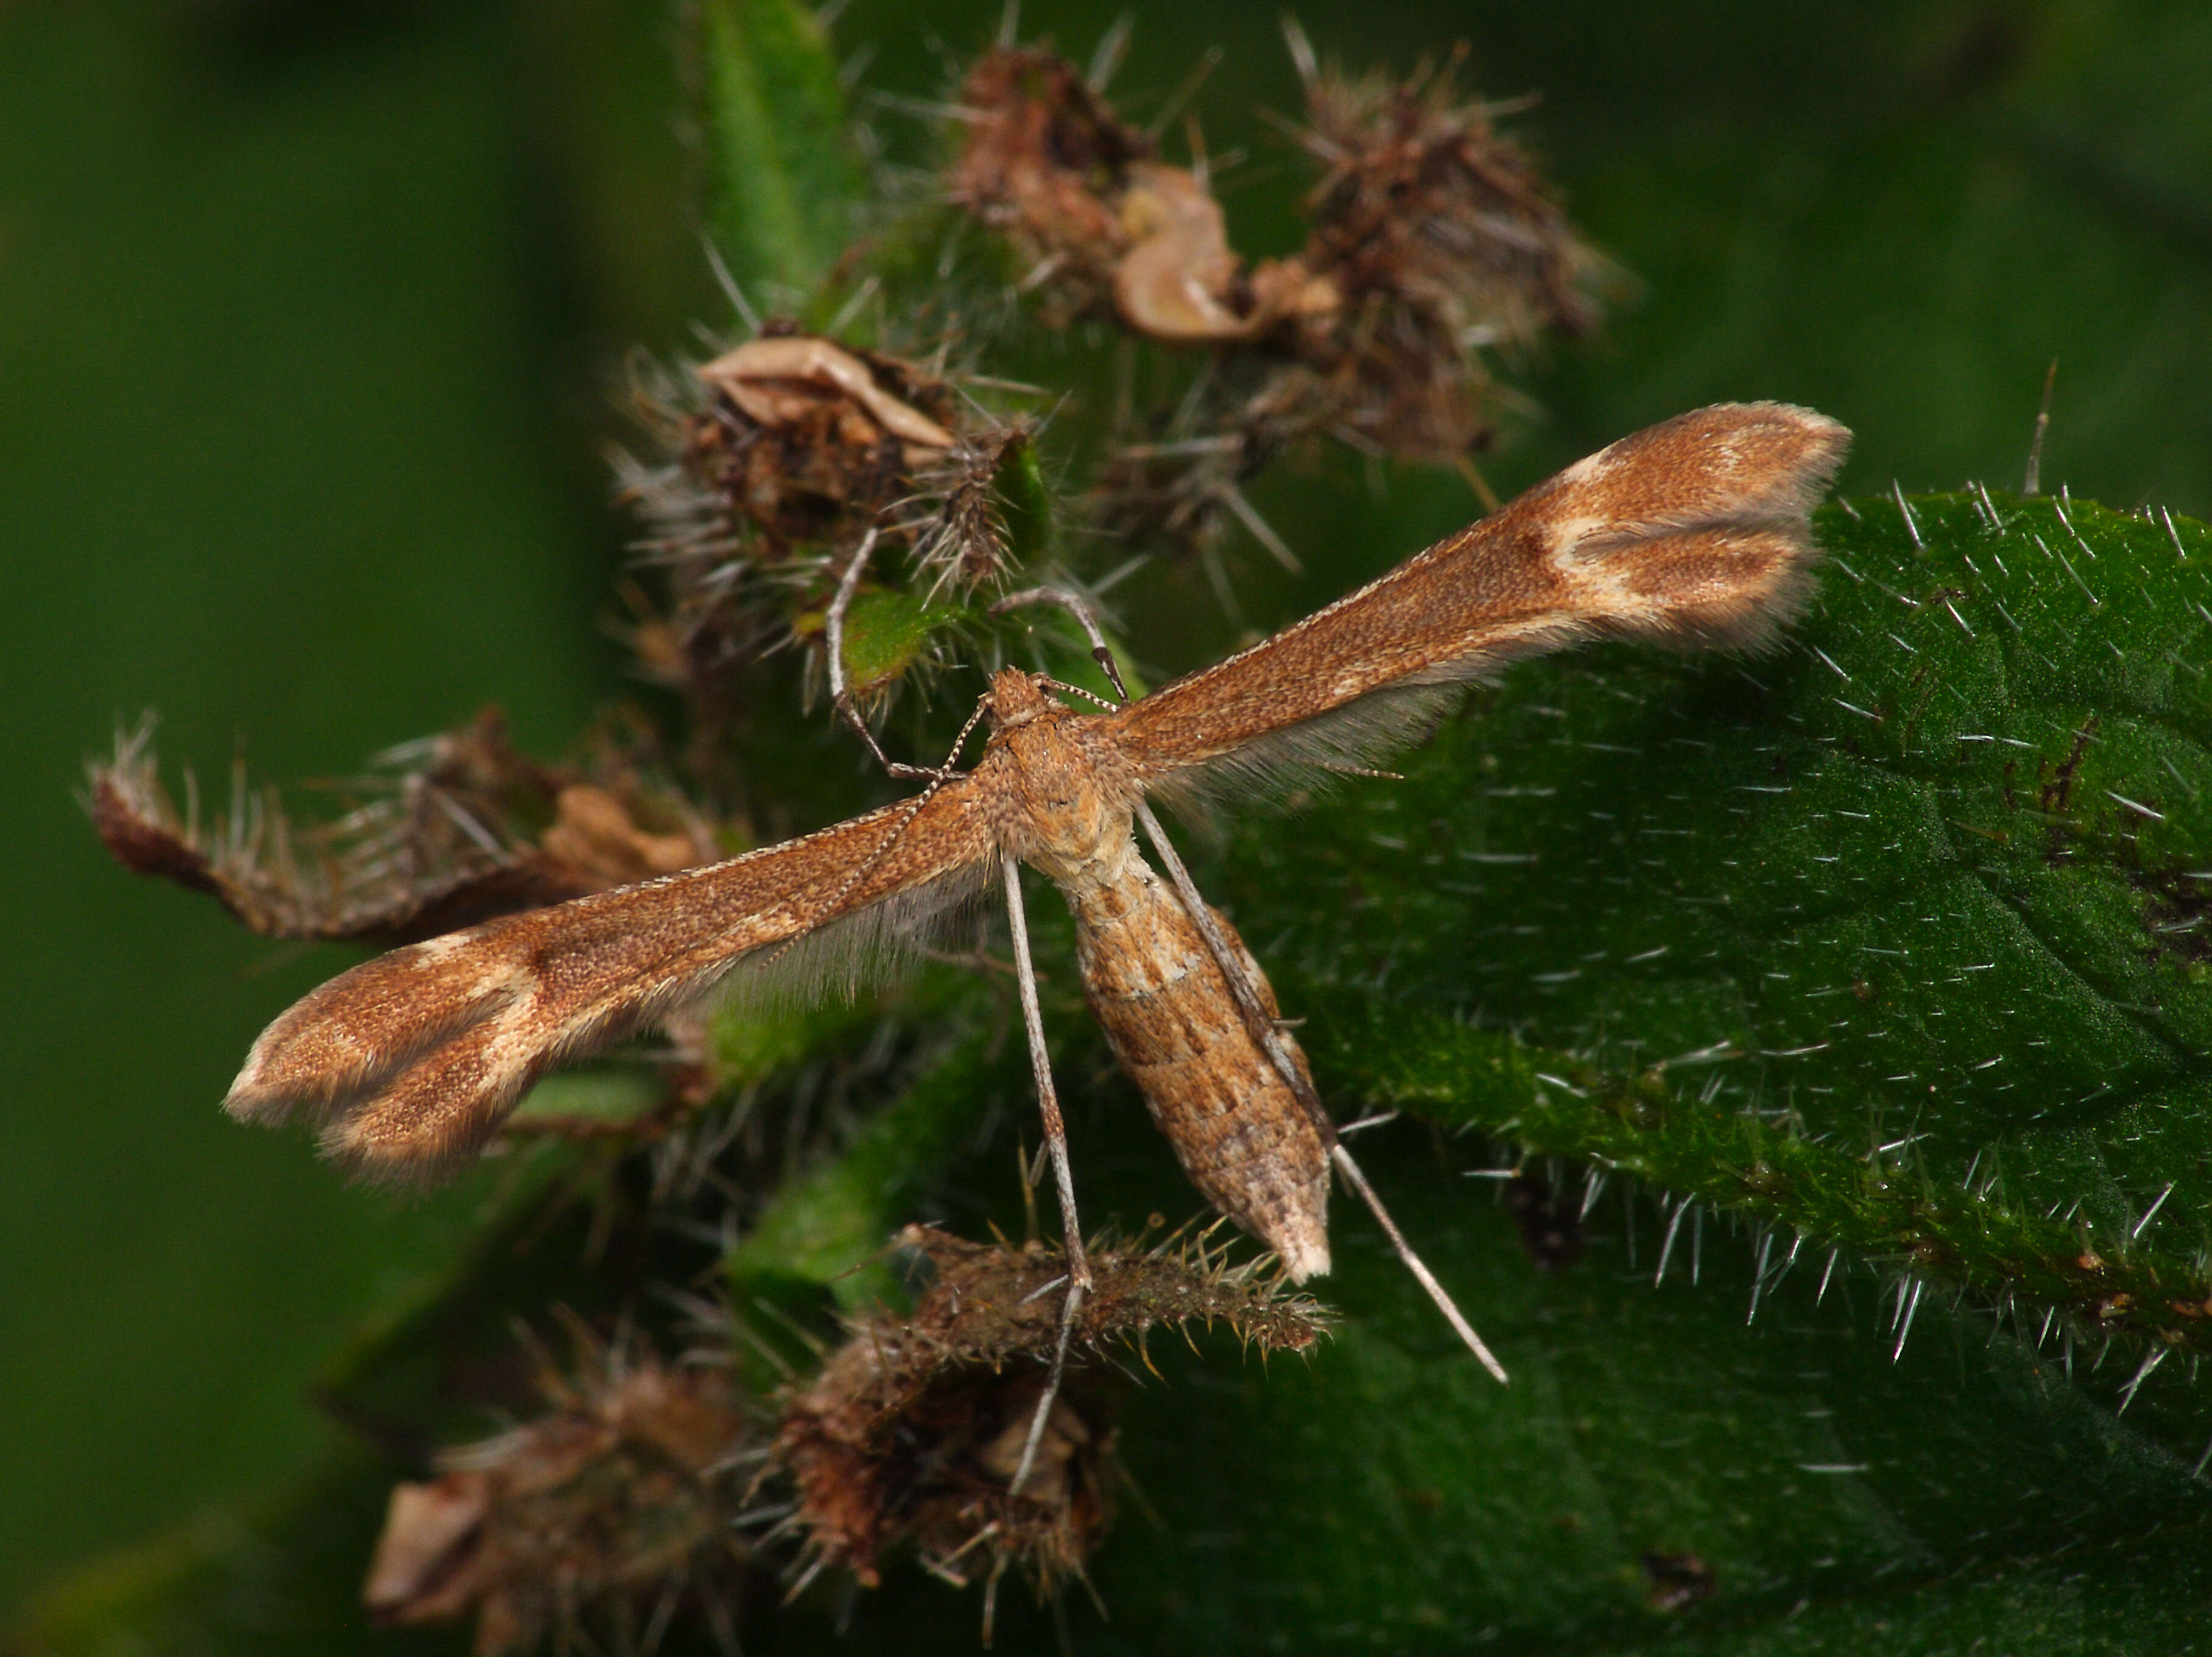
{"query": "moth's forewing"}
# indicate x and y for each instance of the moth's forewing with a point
(411, 1060)
(1694, 532)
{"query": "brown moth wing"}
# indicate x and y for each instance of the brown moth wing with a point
(411, 1060)
(1692, 532)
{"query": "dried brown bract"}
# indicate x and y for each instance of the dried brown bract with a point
(1046, 161)
(961, 537)
(912, 1434)
(603, 1515)
(1104, 224)
(452, 830)
(811, 439)
(1441, 239)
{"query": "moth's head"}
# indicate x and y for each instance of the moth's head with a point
(1017, 698)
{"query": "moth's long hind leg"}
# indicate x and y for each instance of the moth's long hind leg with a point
(1055, 1140)
(1422, 1274)
(1263, 1030)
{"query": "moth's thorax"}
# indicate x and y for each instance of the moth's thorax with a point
(1064, 805)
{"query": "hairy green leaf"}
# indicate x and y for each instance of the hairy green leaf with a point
(886, 633)
(783, 179)
(1896, 938)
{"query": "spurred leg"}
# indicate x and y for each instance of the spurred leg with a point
(1055, 1140)
(1271, 1042)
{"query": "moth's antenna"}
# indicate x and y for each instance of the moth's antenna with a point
(1078, 606)
(1065, 689)
(1264, 1031)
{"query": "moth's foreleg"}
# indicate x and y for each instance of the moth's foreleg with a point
(833, 645)
(840, 694)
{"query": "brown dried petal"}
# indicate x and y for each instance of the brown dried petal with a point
(1177, 282)
(777, 380)
(422, 1571)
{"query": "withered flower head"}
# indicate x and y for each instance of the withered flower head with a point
(1103, 224)
(811, 440)
(448, 831)
(602, 1513)
(913, 1432)
(1432, 241)
(785, 455)
(1046, 162)
(1441, 238)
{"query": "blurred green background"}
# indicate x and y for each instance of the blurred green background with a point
(309, 319)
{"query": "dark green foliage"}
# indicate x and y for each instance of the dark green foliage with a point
(1888, 938)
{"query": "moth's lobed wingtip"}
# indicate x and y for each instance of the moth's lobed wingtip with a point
(284, 1077)
(1810, 425)
(263, 1093)
(1811, 450)
(418, 1163)
(251, 1102)
(1767, 464)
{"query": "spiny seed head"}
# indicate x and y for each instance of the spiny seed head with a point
(444, 833)
(1441, 238)
(581, 1522)
(912, 1433)
(961, 540)
(1045, 162)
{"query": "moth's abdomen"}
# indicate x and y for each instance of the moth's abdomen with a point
(1240, 1132)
